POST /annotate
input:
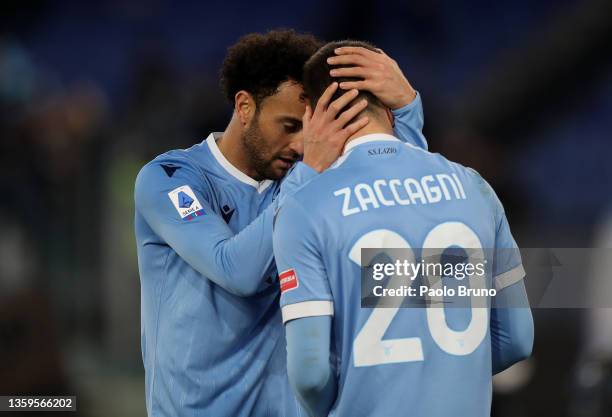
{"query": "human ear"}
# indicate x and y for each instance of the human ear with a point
(244, 107)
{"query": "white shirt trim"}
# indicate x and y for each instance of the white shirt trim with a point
(508, 278)
(260, 186)
(373, 137)
(307, 309)
(339, 161)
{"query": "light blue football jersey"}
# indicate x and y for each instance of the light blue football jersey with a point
(204, 233)
(206, 350)
(416, 362)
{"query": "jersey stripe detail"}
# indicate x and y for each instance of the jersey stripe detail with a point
(307, 309)
(509, 277)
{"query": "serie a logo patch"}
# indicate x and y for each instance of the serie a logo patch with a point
(186, 203)
(288, 280)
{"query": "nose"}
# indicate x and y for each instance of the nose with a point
(297, 144)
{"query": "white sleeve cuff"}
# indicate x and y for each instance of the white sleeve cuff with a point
(307, 309)
(508, 278)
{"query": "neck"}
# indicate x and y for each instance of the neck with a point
(231, 146)
(373, 127)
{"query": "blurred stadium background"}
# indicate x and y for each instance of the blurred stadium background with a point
(520, 91)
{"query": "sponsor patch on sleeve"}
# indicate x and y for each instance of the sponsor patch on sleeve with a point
(186, 203)
(288, 280)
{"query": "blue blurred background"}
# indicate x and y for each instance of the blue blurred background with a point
(521, 91)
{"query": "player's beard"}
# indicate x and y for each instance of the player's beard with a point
(259, 157)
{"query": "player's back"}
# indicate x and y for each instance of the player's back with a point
(409, 361)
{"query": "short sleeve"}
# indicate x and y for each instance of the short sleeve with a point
(171, 194)
(305, 290)
(507, 264)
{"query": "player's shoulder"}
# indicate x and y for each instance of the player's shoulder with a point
(197, 157)
(468, 176)
(171, 164)
(472, 178)
(171, 169)
(436, 158)
(193, 161)
(312, 193)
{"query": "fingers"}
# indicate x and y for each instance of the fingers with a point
(356, 125)
(353, 111)
(338, 104)
(346, 50)
(349, 59)
(326, 97)
(356, 85)
(350, 72)
(307, 116)
(380, 51)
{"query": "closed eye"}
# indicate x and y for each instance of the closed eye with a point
(292, 127)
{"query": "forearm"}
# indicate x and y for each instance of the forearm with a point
(308, 367)
(409, 121)
(237, 262)
(512, 330)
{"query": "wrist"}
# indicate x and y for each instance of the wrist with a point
(405, 99)
(315, 166)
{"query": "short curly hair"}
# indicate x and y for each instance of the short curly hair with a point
(259, 62)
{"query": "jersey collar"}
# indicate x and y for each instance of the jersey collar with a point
(260, 186)
(373, 137)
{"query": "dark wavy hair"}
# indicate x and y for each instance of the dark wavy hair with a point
(259, 62)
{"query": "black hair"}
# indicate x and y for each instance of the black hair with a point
(259, 62)
(317, 77)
